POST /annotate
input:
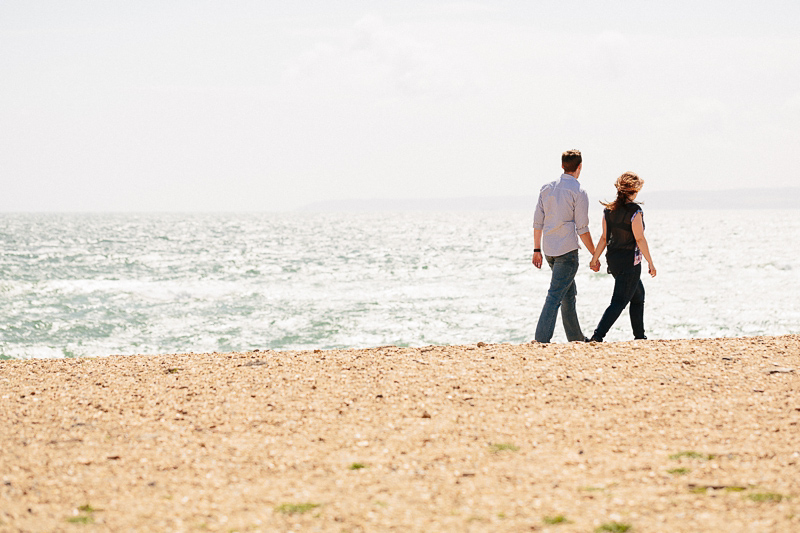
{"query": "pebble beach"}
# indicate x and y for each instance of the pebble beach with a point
(640, 436)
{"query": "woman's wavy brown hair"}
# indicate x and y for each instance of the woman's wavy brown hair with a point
(627, 185)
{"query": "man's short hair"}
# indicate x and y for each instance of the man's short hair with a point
(571, 160)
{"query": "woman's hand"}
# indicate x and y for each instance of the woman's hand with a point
(594, 264)
(652, 270)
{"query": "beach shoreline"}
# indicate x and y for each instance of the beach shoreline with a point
(681, 435)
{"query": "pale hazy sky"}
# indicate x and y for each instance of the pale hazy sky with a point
(264, 105)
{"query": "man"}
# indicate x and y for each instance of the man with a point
(562, 215)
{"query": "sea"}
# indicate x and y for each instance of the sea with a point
(92, 285)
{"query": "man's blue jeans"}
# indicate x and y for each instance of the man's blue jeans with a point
(561, 294)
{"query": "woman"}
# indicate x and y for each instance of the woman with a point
(623, 233)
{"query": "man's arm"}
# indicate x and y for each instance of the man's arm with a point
(582, 221)
(587, 241)
(538, 226)
(537, 245)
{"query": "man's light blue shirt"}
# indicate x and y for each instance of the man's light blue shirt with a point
(562, 214)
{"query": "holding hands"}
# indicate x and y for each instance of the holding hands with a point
(594, 264)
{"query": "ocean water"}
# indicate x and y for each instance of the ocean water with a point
(92, 285)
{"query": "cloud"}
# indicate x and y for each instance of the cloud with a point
(696, 117)
(467, 9)
(793, 103)
(610, 55)
(374, 58)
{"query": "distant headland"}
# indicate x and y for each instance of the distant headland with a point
(763, 198)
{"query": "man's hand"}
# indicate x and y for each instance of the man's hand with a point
(537, 259)
(595, 265)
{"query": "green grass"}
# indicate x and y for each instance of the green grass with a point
(296, 508)
(692, 455)
(703, 489)
(557, 519)
(503, 447)
(773, 497)
(357, 466)
(81, 519)
(86, 516)
(614, 527)
(678, 471)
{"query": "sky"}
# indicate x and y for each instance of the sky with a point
(139, 106)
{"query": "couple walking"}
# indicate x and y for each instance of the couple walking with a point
(562, 216)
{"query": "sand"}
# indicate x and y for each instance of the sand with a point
(673, 436)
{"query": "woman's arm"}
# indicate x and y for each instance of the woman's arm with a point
(594, 264)
(638, 233)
